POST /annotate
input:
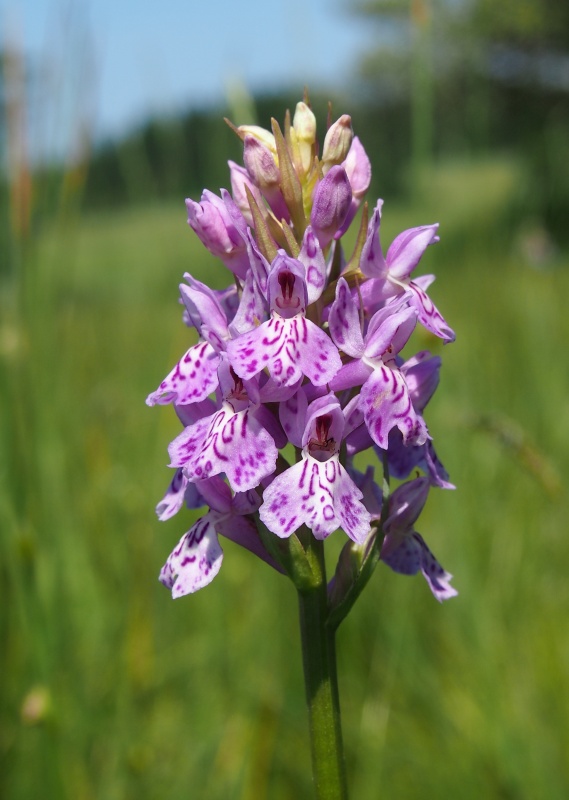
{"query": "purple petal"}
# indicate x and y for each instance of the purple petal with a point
(405, 505)
(292, 414)
(195, 561)
(389, 330)
(252, 308)
(190, 442)
(437, 578)
(318, 494)
(288, 348)
(205, 312)
(193, 378)
(429, 315)
(178, 492)
(344, 322)
(358, 168)
(372, 262)
(422, 377)
(402, 555)
(235, 444)
(312, 257)
(406, 250)
(386, 404)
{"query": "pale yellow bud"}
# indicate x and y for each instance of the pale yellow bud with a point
(337, 142)
(264, 136)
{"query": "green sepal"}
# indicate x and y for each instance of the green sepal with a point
(290, 183)
(354, 569)
(292, 244)
(265, 241)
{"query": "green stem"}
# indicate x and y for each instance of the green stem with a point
(319, 662)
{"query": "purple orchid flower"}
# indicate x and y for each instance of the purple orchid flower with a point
(317, 491)
(384, 396)
(278, 365)
(288, 345)
(195, 376)
(422, 377)
(197, 558)
(391, 275)
(232, 440)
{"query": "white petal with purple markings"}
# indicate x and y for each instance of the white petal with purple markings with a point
(288, 348)
(193, 378)
(386, 404)
(318, 494)
(195, 561)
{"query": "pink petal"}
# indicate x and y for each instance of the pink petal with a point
(195, 561)
(386, 404)
(318, 494)
(193, 378)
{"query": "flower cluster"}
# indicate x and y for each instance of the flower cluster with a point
(298, 366)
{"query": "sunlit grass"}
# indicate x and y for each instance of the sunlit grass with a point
(147, 698)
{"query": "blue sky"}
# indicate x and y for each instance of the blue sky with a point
(111, 63)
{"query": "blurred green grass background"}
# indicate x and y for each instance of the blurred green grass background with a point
(112, 690)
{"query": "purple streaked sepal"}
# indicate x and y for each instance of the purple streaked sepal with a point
(179, 492)
(386, 404)
(195, 561)
(193, 378)
(429, 315)
(344, 322)
(312, 258)
(405, 550)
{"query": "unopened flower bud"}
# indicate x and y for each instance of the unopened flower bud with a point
(260, 163)
(304, 128)
(240, 182)
(304, 124)
(358, 168)
(331, 203)
(337, 142)
(262, 168)
(222, 228)
(261, 134)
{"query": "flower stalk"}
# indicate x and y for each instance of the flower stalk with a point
(321, 684)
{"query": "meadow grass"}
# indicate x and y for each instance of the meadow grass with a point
(113, 691)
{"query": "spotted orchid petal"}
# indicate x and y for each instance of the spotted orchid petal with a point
(205, 312)
(252, 308)
(195, 561)
(386, 404)
(288, 349)
(312, 257)
(179, 492)
(429, 315)
(372, 261)
(320, 495)
(193, 378)
(412, 555)
(233, 443)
